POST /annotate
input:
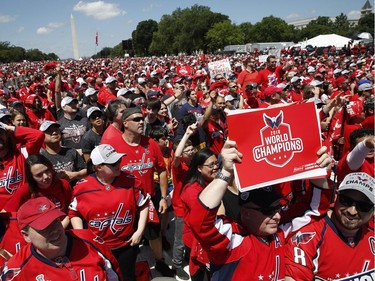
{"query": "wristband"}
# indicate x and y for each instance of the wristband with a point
(163, 197)
(220, 175)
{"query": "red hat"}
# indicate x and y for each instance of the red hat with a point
(38, 213)
(269, 91)
(340, 79)
(50, 65)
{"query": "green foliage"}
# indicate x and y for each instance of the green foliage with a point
(142, 36)
(185, 30)
(366, 24)
(272, 29)
(222, 34)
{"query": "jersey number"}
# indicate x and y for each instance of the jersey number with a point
(299, 256)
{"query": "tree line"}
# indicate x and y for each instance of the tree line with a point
(197, 28)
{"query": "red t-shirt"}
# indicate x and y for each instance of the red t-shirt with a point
(178, 177)
(141, 160)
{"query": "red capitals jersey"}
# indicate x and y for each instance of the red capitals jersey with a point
(141, 160)
(110, 211)
(60, 193)
(234, 253)
(97, 263)
(11, 237)
(12, 170)
(318, 252)
(216, 136)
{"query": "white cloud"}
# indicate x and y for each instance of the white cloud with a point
(99, 9)
(6, 19)
(354, 15)
(293, 16)
(20, 29)
(49, 28)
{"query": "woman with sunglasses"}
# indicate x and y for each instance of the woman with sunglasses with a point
(253, 247)
(42, 181)
(202, 170)
(111, 204)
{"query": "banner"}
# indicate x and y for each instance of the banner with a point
(278, 144)
(219, 67)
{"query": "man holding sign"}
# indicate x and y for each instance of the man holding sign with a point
(253, 249)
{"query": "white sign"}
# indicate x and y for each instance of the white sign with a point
(219, 67)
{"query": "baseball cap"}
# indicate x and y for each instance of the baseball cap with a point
(130, 111)
(345, 71)
(90, 92)
(361, 182)
(337, 71)
(229, 98)
(124, 91)
(141, 81)
(152, 94)
(110, 79)
(46, 124)
(38, 213)
(91, 110)
(105, 154)
(269, 91)
(316, 83)
(262, 197)
(364, 87)
(295, 79)
(67, 100)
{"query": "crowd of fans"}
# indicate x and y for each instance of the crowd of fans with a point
(118, 144)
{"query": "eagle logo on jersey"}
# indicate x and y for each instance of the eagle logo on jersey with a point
(9, 274)
(303, 238)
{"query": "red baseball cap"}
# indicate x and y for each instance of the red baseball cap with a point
(38, 213)
(270, 90)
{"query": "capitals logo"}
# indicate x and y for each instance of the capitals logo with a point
(9, 273)
(303, 238)
(278, 145)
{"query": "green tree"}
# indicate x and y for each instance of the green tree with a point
(273, 29)
(184, 30)
(247, 30)
(35, 55)
(322, 25)
(222, 34)
(366, 24)
(342, 26)
(117, 51)
(142, 36)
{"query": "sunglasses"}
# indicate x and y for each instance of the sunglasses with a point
(268, 211)
(96, 115)
(212, 165)
(137, 119)
(360, 206)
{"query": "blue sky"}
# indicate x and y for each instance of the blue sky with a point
(45, 24)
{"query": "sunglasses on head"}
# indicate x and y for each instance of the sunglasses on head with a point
(137, 119)
(360, 206)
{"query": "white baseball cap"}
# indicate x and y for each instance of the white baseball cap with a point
(91, 110)
(105, 154)
(361, 182)
(67, 100)
(110, 79)
(46, 124)
(316, 83)
(90, 92)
